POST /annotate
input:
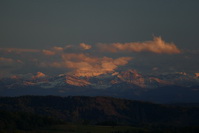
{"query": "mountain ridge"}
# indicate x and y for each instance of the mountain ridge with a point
(130, 76)
(101, 109)
(166, 88)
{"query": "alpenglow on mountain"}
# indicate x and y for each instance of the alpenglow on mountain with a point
(175, 87)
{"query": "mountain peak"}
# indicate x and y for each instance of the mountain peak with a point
(76, 81)
(133, 77)
(129, 74)
(197, 75)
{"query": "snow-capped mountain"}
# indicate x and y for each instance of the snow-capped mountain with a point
(127, 84)
(105, 81)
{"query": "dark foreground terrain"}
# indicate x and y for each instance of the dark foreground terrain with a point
(80, 114)
(74, 128)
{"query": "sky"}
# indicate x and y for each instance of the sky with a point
(92, 37)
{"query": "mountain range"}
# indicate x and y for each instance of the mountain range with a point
(162, 88)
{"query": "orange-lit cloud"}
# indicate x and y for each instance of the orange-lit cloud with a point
(14, 77)
(58, 49)
(69, 58)
(86, 65)
(9, 61)
(7, 65)
(155, 68)
(39, 75)
(53, 51)
(157, 45)
(2, 59)
(48, 52)
(85, 46)
(19, 50)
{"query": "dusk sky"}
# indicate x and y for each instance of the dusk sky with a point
(98, 36)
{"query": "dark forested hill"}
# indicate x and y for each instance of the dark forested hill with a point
(96, 110)
(24, 120)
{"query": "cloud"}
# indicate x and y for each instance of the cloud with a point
(86, 65)
(82, 59)
(53, 51)
(157, 45)
(155, 68)
(75, 57)
(48, 52)
(7, 65)
(9, 61)
(122, 60)
(85, 46)
(19, 50)
(6, 60)
(58, 49)
(22, 76)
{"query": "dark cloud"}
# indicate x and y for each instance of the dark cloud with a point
(19, 50)
(7, 65)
